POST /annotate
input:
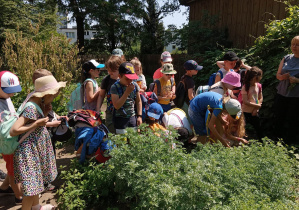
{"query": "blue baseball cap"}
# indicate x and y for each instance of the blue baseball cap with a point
(155, 110)
(117, 52)
(192, 65)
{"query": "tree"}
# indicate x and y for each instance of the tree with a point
(152, 37)
(80, 10)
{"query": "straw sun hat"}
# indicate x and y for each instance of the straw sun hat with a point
(47, 85)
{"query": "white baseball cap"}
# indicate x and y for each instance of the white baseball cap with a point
(9, 82)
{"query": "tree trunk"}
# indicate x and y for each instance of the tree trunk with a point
(80, 31)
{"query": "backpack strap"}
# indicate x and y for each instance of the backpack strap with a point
(33, 129)
(221, 74)
(172, 82)
(158, 86)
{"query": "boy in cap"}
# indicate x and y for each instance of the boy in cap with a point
(155, 112)
(230, 58)
(125, 97)
(192, 69)
(9, 86)
(165, 87)
(118, 52)
(165, 58)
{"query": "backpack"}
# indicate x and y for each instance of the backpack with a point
(180, 92)
(205, 88)
(159, 85)
(77, 96)
(8, 144)
(213, 77)
(240, 98)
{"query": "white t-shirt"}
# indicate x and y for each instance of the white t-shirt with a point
(218, 88)
(6, 104)
(177, 119)
(224, 72)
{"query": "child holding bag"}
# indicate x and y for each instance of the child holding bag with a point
(34, 161)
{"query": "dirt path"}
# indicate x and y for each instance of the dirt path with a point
(64, 157)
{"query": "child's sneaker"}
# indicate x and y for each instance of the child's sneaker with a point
(18, 201)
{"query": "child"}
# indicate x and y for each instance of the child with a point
(165, 58)
(154, 113)
(232, 129)
(165, 87)
(229, 82)
(9, 86)
(125, 97)
(230, 59)
(216, 104)
(252, 98)
(237, 69)
(91, 70)
(112, 65)
(192, 69)
(118, 52)
(138, 68)
(34, 161)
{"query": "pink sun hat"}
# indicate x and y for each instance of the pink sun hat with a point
(232, 78)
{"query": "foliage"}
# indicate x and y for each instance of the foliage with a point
(200, 36)
(148, 173)
(21, 15)
(23, 55)
(267, 54)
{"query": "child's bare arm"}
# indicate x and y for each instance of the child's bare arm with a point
(220, 64)
(100, 100)
(119, 102)
(190, 93)
(90, 95)
(217, 78)
(139, 108)
(19, 126)
(247, 102)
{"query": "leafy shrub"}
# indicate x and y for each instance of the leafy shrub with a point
(147, 173)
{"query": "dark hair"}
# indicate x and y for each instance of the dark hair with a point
(250, 74)
(238, 64)
(86, 67)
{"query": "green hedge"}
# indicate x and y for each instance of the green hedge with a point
(149, 174)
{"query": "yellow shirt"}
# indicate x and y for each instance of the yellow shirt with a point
(165, 90)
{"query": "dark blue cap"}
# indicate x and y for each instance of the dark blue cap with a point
(192, 65)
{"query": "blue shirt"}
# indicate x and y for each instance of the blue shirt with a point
(200, 103)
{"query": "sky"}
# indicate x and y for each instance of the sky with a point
(178, 18)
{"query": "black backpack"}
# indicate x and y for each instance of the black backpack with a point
(181, 94)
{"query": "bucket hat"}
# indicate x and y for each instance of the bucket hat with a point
(168, 69)
(232, 78)
(46, 85)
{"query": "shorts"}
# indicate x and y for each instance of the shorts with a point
(109, 121)
(198, 121)
(9, 164)
(121, 123)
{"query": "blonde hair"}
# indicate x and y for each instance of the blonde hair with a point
(136, 62)
(38, 73)
(113, 63)
(236, 127)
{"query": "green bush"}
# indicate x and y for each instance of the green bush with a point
(148, 173)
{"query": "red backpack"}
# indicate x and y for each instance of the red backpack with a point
(240, 98)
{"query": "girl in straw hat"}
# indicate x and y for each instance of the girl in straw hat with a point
(34, 161)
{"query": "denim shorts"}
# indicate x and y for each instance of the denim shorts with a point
(198, 121)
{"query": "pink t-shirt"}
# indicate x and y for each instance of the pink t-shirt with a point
(252, 96)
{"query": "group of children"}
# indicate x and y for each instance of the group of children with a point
(214, 115)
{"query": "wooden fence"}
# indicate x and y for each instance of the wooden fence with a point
(244, 19)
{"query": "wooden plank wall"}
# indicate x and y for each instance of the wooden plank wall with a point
(245, 19)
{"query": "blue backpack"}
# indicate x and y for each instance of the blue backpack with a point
(213, 77)
(8, 144)
(76, 101)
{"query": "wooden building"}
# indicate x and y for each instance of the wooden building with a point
(244, 19)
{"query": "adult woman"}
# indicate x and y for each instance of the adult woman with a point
(287, 100)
